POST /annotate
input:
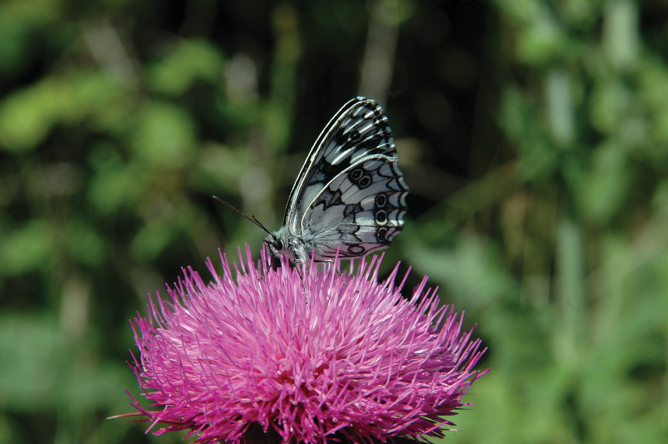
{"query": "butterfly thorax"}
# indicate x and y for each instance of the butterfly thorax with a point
(295, 248)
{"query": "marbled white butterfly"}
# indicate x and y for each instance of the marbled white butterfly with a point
(350, 195)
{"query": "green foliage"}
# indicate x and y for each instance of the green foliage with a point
(537, 166)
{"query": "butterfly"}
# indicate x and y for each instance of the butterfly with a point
(349, 198)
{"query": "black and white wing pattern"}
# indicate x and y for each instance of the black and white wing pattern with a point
(350, 195)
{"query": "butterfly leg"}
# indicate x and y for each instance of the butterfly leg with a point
(301, 276)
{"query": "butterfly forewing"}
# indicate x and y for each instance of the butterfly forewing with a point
(350, 195)
(359, 128)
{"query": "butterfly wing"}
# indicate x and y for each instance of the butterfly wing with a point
(359, 128)
(350, 194)
(359, 211)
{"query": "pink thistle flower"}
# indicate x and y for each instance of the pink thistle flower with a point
(353, 361)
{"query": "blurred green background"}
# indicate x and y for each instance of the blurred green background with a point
(533, 135)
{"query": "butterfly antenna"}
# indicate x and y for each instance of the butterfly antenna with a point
(241, 213)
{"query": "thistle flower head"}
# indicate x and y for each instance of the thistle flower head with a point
(305, 355)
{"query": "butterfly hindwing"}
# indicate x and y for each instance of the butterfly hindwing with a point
(360, 210)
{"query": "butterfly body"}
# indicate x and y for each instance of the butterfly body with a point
(349, 197)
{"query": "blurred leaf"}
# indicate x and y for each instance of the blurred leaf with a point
(468, 271)
(89, 386)
(27, 116)
(160, 231)
(26, 248)
(20, 21)
(611, 104)
(114, 186)
(85, 245)
(34, 355)
(543, 38)
(603, 191)
(164, 135)
(518, 118)
(621, 33)
(190, 61)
